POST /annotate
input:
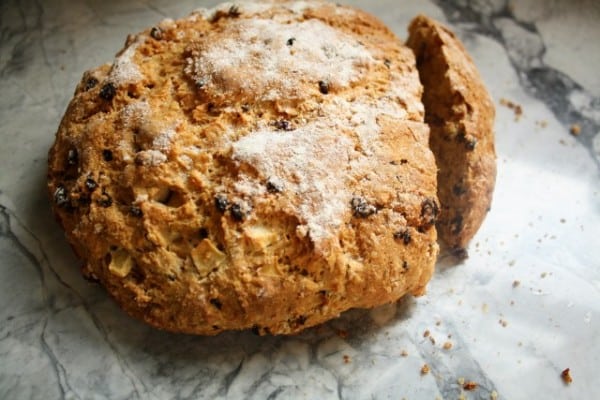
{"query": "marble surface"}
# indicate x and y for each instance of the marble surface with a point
(522, 308)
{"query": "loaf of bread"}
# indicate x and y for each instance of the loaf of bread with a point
(258, 166)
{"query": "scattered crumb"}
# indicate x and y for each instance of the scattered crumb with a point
(563, 142)
(404, 353)
(342, 333)
(432, 340)
(494, 395)
(347, 359)
(485, 308)
(470, 385)
(566, 376)
(447, 345)
(562, 220)
(542, 123)
(503, 323)
(426, 333)
(462, 397)
(543, 275)
(520, 344)
(425, 369)
(512, 302)
(461, 381)
(511, 263)
(516, 283)
(575, 129)
(517, 109)
(438, 323)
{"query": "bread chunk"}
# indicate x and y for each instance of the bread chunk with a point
(261, 166)
(460, 114)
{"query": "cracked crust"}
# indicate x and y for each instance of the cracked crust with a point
(274, 195)
(460, 113)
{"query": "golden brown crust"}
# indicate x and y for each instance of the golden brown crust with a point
(460, 113)
(236, 170)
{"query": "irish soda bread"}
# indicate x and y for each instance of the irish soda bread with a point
(460, 113)
(258, 165)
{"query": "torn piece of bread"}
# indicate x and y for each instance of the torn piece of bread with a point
(460, 113)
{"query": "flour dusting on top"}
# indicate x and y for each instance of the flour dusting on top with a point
(124, 68)
(245, 7)
(150, 157)
(310, 161)
(135, 114)
(271, 58)
(163, 140)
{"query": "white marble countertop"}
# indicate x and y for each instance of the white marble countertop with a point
(522, 308)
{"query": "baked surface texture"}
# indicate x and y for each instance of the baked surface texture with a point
(461, 114)
(262, 166)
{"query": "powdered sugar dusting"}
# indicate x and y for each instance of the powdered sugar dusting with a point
(258, 58)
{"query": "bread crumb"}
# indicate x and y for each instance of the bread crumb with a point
(542, 123)
(516, 283)
(343, 334)
(575, 129)
(470, 385)
(347, 359)
(426, 333)
(493, 395)
(404, 353)
(461, 381)
(425, 369)
(543, 275)
(485, 308)
(511, 263)
(566, 376)
(447, 345)
(503, 323)
(516, 108)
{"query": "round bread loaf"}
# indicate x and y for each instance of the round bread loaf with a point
(260, 166)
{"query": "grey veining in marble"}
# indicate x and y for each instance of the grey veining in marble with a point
(522, 308)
